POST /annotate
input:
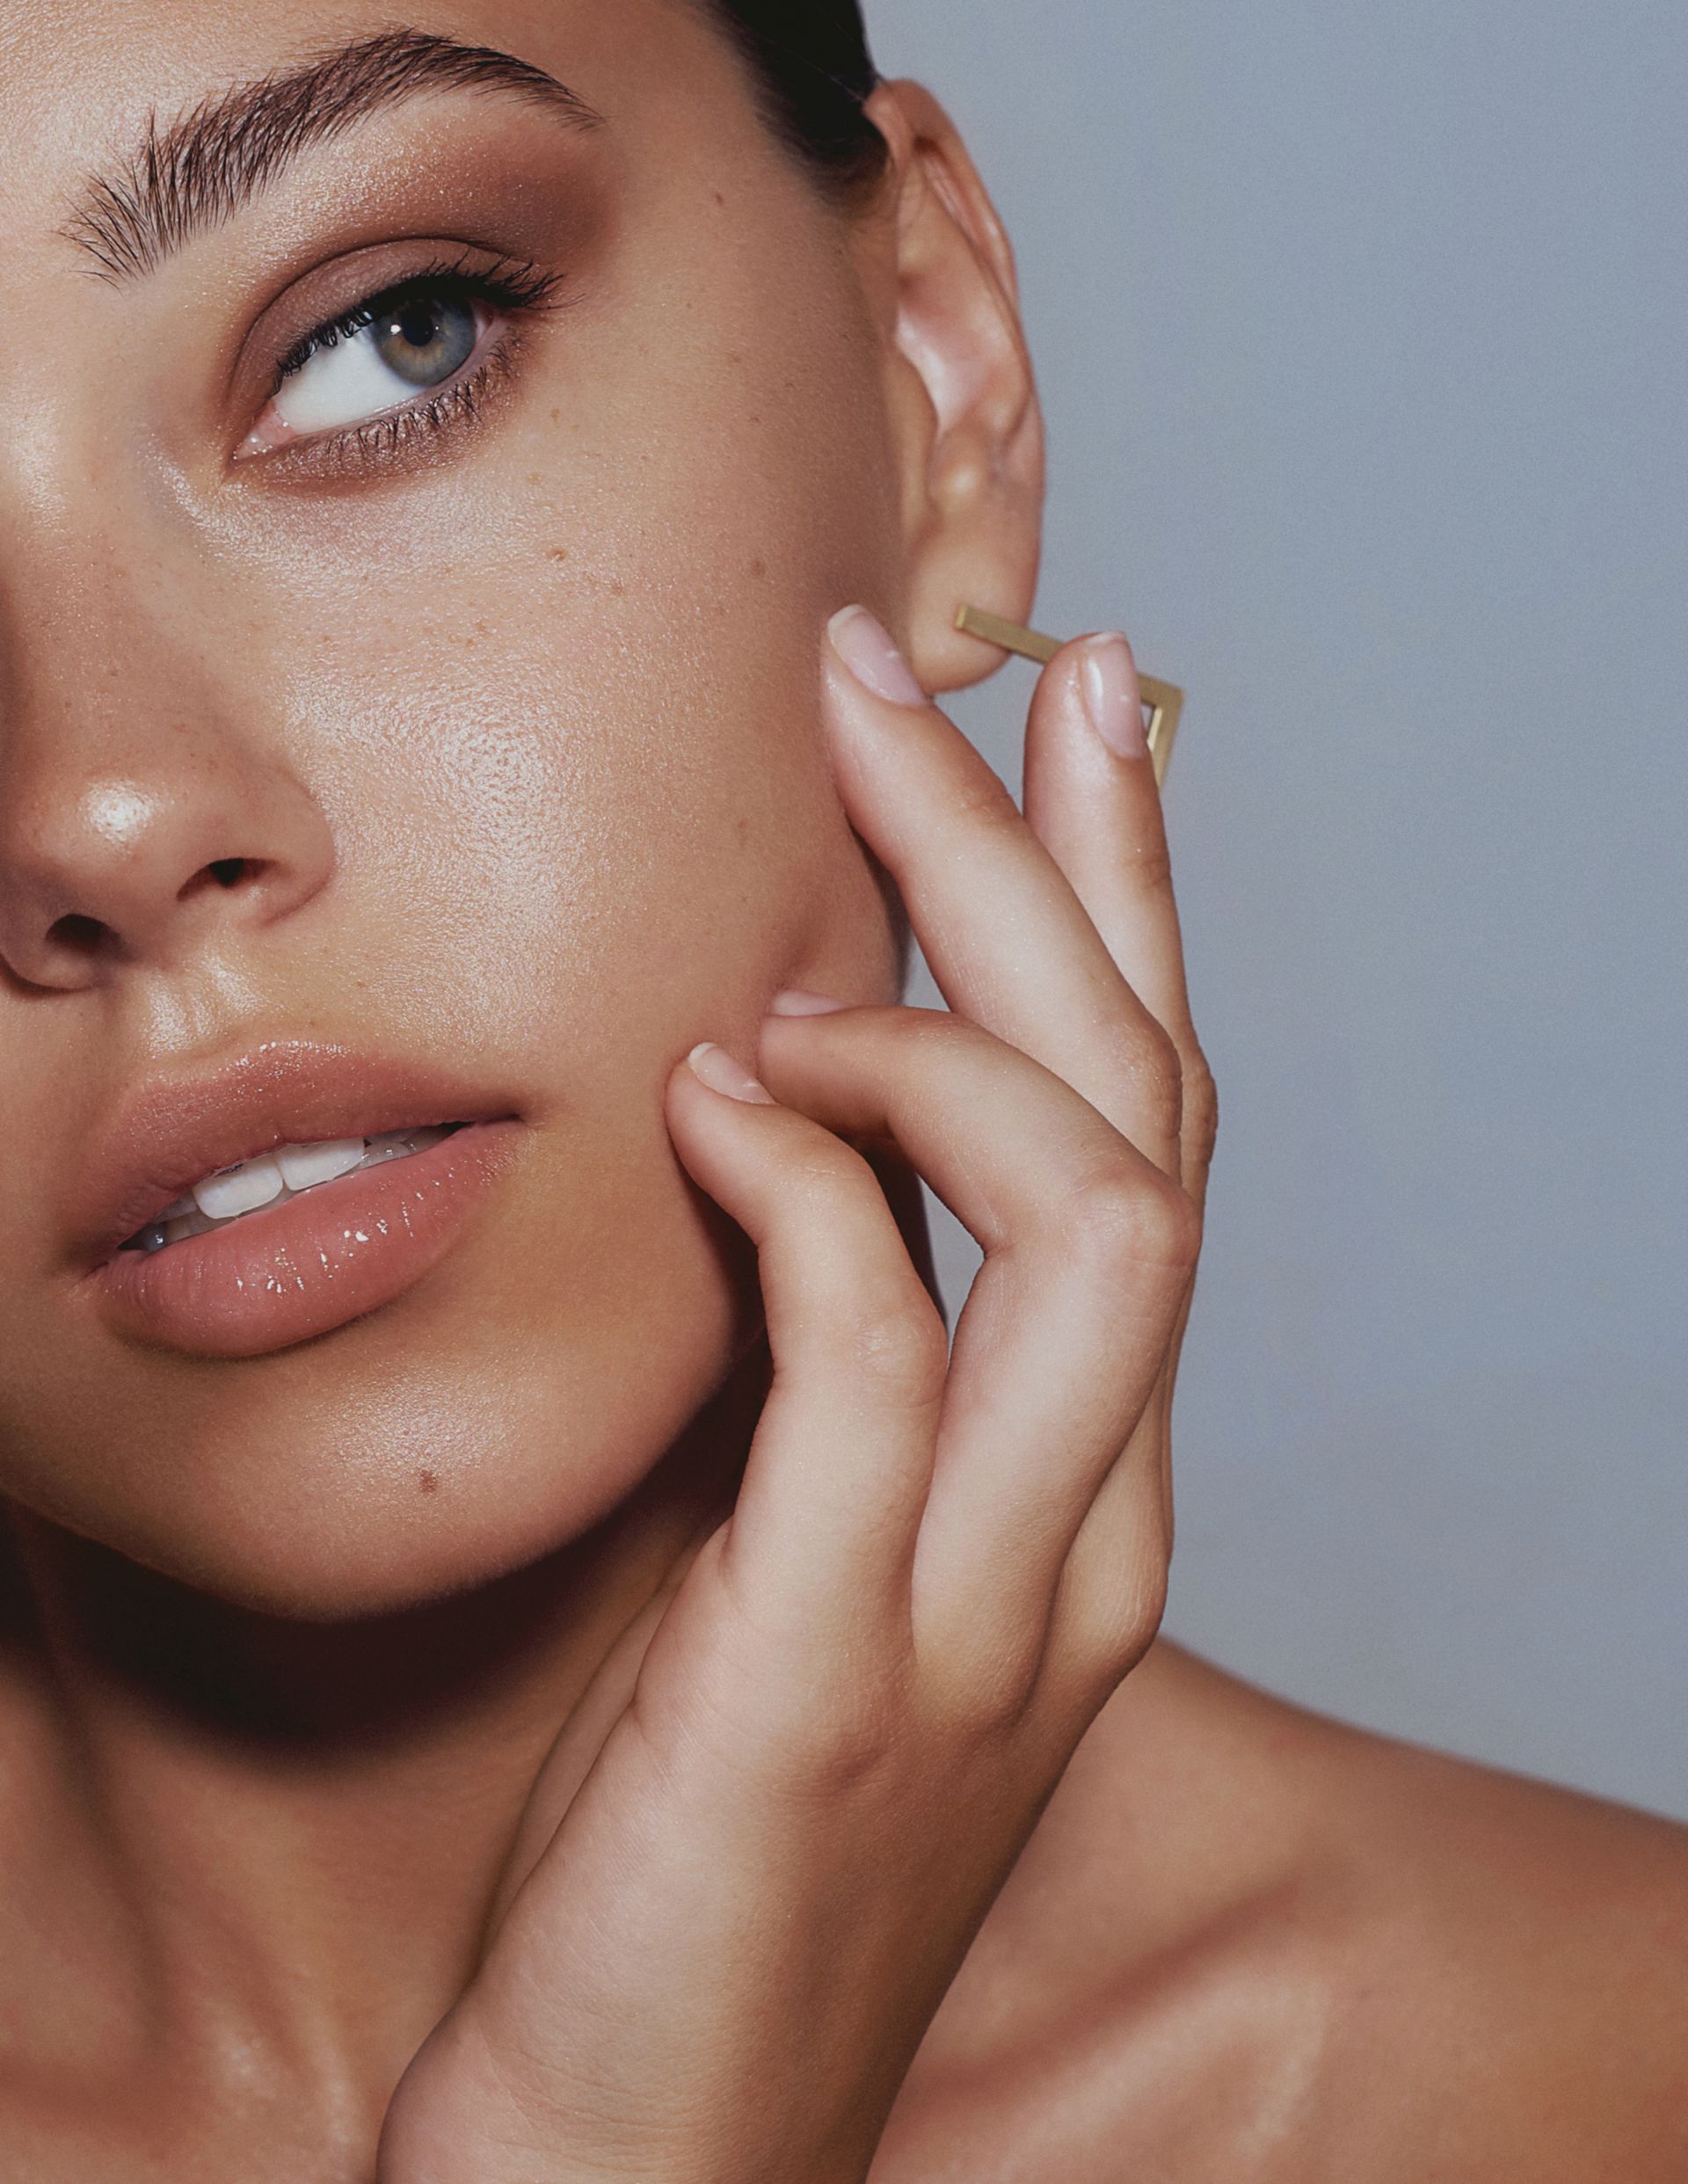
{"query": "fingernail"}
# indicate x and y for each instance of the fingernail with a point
(868, 649)
(713, 1065)
(1111, 695)
(794, 1002)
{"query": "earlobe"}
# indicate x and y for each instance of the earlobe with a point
(962, 396)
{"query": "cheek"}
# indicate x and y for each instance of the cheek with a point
(564, 720)
(578, 766)
(614, 835)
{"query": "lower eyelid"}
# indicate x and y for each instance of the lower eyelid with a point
(386, 438)
(280, 440)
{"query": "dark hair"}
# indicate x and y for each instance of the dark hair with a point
(813, 74)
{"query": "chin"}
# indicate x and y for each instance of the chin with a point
(463, 1433)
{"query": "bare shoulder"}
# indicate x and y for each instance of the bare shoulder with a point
(1251, 1943)
(1525, 1947)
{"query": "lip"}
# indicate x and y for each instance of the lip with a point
(297, 1270)
(174, 1131)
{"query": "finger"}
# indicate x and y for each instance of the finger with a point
(588, 1726)
(824, 1525)
(1059, 1348)
(1091, 798)
(1008, 941)
(1112, 1592)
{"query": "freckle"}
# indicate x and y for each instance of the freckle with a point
(428, 1482)
(719, 198)
(557, 553)
(742, 828)
(556, 416)
(533, 479)
(755, 420)
(618, 590)
(759, 567)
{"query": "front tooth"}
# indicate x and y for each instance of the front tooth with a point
(304, 1166)
(241, 1190)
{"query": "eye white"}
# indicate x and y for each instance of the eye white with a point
(356, 376)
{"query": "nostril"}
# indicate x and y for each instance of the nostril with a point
(225, 872)
(81, 936)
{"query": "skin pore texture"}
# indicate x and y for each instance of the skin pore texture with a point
(494, 748)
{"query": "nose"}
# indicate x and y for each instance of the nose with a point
(128, 868)
(135, 831)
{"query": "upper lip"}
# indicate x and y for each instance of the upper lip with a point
(175, 1129)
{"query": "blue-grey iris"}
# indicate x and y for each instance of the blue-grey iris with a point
(427, 338)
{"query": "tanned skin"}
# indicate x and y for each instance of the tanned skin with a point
(635, 1703)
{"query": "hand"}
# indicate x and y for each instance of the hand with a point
(763, 1846)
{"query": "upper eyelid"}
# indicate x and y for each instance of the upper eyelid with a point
(499, 281)
(353, 318)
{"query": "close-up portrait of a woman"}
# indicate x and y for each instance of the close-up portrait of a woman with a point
(617, 621)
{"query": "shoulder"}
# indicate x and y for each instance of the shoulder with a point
(1251, 1943)
(1523, 1950)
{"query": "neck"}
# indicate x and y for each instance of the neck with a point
(235, 1836)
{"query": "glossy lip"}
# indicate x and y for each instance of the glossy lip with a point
(292, 1273)
(173, 1131)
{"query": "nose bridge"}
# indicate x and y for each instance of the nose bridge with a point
(145, 797)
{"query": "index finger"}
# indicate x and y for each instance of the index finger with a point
(1008, 941)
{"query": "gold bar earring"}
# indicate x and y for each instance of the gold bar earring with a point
(1163, 702)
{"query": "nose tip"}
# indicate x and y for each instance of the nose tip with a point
(131, 872)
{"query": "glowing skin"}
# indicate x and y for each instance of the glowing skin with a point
(509, 724)
(366, 768)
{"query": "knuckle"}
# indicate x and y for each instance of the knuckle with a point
(1127, 1214)
(982, 798)
(1156, 1071)
(989, 1683)
(898, 1345)
(1118, 1625)
(1152, 864)
(830, 1174)
(1201, 1107)
(845, 1735)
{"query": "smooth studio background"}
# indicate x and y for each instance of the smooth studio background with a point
(1362, 333)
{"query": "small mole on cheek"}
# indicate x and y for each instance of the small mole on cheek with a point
(557, 553)
(719, 198)
(429, 1482)
(759, 567)
(742, 828)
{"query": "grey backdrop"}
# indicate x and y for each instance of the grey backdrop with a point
(1362, 333)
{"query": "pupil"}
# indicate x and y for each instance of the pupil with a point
(427, 338)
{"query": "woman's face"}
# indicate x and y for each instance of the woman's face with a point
(463, 767)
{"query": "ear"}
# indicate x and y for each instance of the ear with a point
(967, 427)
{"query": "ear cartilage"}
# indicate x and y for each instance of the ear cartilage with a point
(1163, 702)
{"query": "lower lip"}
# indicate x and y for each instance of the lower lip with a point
(293, 1272)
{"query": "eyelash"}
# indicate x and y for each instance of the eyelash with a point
(513, 290)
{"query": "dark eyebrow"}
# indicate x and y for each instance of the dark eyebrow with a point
(195, 172)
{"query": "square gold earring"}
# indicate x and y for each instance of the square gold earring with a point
(1163, 702)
